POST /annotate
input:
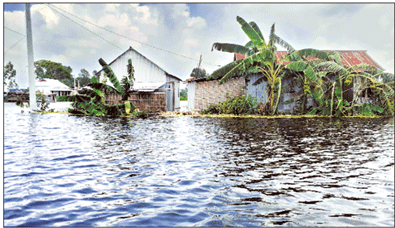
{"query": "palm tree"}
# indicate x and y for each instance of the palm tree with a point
(259, 58)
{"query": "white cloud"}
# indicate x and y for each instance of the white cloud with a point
(112, 8)
(50, 17)
(191, 30)
(191, 42)
(144, 15)
(62, 58)
(196, 22)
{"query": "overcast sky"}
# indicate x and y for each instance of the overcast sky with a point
(175, 35)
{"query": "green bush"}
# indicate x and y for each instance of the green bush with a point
(237, 105)
(117, 109)
(184, 98)
(61, 98)
(136, 112)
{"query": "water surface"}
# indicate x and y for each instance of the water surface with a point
(62, 170)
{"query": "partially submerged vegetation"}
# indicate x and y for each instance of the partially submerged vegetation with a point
(91, 101)
(236, 106)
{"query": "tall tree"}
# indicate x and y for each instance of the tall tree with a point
(199, 73)
(9, 76)
(54, 70)
(84, 78)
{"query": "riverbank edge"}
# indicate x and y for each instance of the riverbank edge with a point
(176, 114)
(197, 115)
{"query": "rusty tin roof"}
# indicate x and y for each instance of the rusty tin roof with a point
(349, 58)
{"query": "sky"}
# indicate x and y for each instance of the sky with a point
(173, 36)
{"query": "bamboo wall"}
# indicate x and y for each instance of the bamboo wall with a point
(153, 103)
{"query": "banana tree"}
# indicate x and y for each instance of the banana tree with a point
(301, 71)
(259, 58)
(367, 82)
(92, 100)
(127, 81)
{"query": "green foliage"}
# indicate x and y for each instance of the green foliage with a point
(9, 74)
(62, 99)
(368, 109)
(232, 48)
(199, 73)
(84, 78)
(139, 114)
(319, 74)
(42, 103)
(237, 105)
(53, 70)
(259, 58)
(184, 92)
(92, 101)
(257, 52)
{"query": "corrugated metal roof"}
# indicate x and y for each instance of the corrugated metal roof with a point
(148, 87)
(349, 57)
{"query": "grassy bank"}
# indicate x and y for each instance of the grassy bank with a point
(195, 114)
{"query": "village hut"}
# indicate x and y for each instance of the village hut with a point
(155, 90)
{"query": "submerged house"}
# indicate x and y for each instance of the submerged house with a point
(154, 89)
(203, 92)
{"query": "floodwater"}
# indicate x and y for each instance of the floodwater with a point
(62, 170)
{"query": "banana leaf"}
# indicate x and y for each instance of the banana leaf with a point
(305, 53)
(91, 93)
(257, 30)
(232, 48)
(258, 41)
(110, 75)
(107, 89)
(78, 98)
(283, 43)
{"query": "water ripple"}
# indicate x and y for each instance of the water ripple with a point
(62, 170)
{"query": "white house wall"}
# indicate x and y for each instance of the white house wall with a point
(191, 95)
(144, 70)
(177, 105)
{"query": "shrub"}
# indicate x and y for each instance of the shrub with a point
(237, 105)
(61, 98)
(184, 98)
(136, 112)
(42, 103)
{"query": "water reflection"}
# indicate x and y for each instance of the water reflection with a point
(96, 171)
